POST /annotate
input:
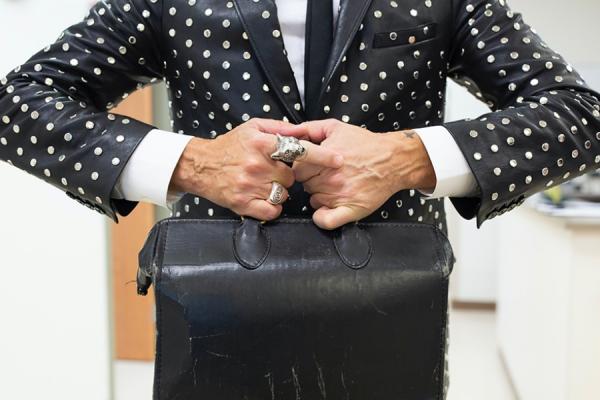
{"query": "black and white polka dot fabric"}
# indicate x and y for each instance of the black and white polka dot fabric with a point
(224, 63)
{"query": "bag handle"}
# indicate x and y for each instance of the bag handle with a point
(252, 244)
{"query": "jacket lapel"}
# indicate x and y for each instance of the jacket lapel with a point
(260, 21)
(351, 16)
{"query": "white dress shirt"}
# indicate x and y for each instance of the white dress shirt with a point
(147, 174)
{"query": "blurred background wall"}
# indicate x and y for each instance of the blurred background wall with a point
(570, 28)
(539, 271)
(55, 290)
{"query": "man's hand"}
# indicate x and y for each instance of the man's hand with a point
(235, 170)
(376, 166)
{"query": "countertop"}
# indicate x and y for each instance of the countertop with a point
(574, 212)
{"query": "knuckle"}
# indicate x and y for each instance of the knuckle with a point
(333, 154)
(238, 201)
(314, 202)
(255, 137)
(272, 212)
(264, 142)
(239, 210)
(290, 180)
(326, 201)
(244, 127)
(243, 136)
(253, 165)
(287, 176)
(243, 182)
(297, 175)
(300, 169)
(336, 181)
(254, 140)
(252, 121)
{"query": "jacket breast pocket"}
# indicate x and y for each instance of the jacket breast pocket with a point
(403, 37)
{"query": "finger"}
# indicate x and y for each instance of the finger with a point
(315, 131)
(304, 171)
(314, 154)
(270, 126)
(319, 200)
(282, 174)
(311, 185)
(320, 155)
(332, 218)
(315, 204)
(319, 184)
(284, 197)
(266, 143)
(264, 191)
(263, 210)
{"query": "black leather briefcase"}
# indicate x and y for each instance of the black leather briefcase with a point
(287, 311)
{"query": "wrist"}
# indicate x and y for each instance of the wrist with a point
(424, 177)
(412, 161)
(188, 175)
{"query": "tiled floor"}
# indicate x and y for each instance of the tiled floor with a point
(475, 368)
(133, 380)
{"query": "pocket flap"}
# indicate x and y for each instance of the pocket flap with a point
(405, 36)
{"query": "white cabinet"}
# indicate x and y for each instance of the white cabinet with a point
(549, 305)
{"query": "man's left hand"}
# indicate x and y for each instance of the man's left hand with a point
(376, 166)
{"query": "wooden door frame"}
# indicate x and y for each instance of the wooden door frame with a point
(133, 315)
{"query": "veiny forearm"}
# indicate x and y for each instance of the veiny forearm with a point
(190, 174)
(410, 165)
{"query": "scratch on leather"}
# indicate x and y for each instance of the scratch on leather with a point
(344, 385)
(379, 310)
(209, 336)
(271, 385)
(217, 354)
(320, 380)
(296, 384)
(195, 372)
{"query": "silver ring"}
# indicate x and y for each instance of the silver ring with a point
(289, 149)
(277, 192)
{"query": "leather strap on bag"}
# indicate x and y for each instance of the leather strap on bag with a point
(252, 243)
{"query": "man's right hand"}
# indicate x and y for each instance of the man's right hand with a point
(235, 170)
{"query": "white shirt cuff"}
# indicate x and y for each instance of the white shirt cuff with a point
(454, 176)
(147, 175)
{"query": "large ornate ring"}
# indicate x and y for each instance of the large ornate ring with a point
(289, 149)
(277, 191)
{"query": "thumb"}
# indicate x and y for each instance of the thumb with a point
(332, 218)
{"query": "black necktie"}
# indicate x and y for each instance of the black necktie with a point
(319, 39)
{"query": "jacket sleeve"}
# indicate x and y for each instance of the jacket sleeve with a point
(54, 118)
(545, 128)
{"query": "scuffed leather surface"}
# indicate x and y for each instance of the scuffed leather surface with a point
(303, 325)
